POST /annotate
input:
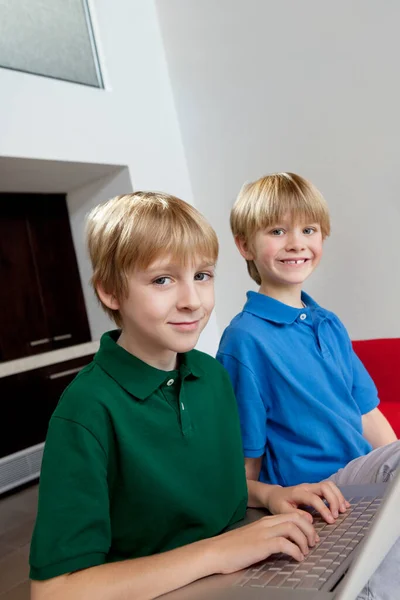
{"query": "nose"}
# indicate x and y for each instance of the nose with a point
(295, 242)
(189, 298)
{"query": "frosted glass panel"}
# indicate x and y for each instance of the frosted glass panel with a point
(49, 37)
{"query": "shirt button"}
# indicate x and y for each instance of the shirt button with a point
(170, 382)
(303, 316)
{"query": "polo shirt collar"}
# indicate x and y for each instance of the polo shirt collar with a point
(137, 377)
(270, 309)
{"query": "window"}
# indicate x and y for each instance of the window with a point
(53, 38)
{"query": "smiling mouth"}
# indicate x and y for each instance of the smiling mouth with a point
(299, 261)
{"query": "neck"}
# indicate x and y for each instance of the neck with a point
(165, 360)
(290, 295)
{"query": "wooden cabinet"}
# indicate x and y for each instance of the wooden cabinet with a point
(21, 423)
(29, 399)
(22, 315)
(41, 304)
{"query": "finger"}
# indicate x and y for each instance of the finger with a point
(304, 515)
(293, 533)
(281, 544)
(343, 504)
(286, 516)
(293, 518)
(287, 507)
(330, 494)
(311, 499)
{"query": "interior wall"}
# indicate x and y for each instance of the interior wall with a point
(132, 122)
(80, 202)
(310, 87)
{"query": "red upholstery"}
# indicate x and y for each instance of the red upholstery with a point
(381, 358)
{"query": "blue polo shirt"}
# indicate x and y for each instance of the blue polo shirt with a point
(300, 388)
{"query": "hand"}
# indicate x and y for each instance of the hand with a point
(288, 499)
(242, 547)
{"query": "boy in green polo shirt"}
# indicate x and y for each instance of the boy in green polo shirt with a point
(143, 468)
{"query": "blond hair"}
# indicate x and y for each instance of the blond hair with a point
(129, 232)
(265, 202)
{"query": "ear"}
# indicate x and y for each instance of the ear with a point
(243, 247)
(107, 298)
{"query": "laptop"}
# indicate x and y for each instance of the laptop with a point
(337, 568)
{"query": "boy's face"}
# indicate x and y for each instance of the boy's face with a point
(286, 253)
(167, 307)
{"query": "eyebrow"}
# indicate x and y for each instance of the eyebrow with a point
(206, 264)
(290, 223)
(171, 265)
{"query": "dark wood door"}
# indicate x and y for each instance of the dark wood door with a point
(54, 254)
(28, 400)
(41, 300)
(23, 324)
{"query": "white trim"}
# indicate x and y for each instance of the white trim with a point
(28, 363)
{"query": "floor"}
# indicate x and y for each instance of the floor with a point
(17, 517)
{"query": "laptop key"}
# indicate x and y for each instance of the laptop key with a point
(263, 580)
(256, 575)
(331, 555)
(289, 568)
(278, 580)
(317, 556)
(301, 572)
(310, 582)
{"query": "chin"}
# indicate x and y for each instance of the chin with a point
(185, 345)
(298, 281)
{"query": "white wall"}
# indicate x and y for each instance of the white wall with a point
(310, 87)
(80, 201)
(133, 122)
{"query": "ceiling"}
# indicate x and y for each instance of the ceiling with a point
(49, 176)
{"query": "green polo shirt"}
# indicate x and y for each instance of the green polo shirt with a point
(137, 461)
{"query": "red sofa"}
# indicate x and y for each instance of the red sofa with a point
(381, 358)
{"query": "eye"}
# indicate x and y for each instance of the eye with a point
(309, 230)
(278, 232)
(161, 281)
(203, 276)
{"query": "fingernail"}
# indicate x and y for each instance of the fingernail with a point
(331, 519)
(335, 514)
(348, 504)
(343, 507)
(318, 538)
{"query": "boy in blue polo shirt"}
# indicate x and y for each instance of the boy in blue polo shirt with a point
(307, 406)
(143, 468)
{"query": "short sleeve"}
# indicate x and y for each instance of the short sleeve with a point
(364, 390)
(72, 529)
(251, 407)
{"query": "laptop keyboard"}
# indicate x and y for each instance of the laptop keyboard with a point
(337, 542)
